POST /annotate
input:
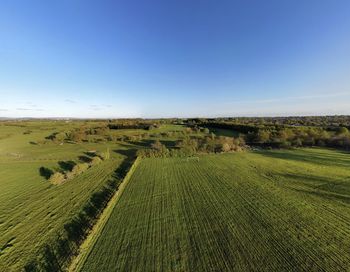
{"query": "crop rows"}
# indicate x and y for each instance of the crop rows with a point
(234, 212)
(34, 211)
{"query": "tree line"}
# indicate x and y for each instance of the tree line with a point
(189, 146)
(72, 169)
(333, 121)
(282, 136)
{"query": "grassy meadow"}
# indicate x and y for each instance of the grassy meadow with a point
(32, 210)
(278, 210)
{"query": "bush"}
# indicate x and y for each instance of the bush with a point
(96, 160)
(225, 147)
(206, 131)
(80, 168)
(157, 150)
(57, 178)
(342, 130)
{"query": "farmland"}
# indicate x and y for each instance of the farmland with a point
(195, 200)
(251, 211)
(32, 210)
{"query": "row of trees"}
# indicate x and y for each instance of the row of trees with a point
(59, 177)
(132, 126)
(242, 128)
(316, 121)
(79, 134)
(105, 132)
(194, 145)
(286, 137)
(282, 135)
(57, 254)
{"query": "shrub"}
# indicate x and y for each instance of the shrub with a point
(157, 150)
(79, 168)
(225, 147)
(96, 160)
(342, 130)
(57, 178)
(157, 145)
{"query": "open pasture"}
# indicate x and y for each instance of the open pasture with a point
(32, 210)
(252, 211)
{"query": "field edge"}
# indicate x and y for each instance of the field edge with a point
(91, 239)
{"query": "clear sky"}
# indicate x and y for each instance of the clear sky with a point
(168, 58)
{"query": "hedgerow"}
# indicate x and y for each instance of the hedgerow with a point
(57, 254)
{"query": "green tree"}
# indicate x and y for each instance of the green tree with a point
(342, 130)
(263, 136)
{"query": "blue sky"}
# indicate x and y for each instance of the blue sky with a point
(168, 58)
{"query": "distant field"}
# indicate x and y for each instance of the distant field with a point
(32, 210)
(263, 211)
(224, 132)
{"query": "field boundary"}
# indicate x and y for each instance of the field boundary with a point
(89, 242)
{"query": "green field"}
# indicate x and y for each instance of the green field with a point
(251, 211)
(32, 210)
(248, 211)
(224, 132)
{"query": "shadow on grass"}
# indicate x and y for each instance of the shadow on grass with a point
(129, 153)
(66, 165)
(148, 143)
(327, 184)
(90, 154)
(168, 143)
(45, 172)
(85, 159)
(124, 167)
(325, 194)
(321, 157)
(224, 132)
(142, 143)
(321, 186)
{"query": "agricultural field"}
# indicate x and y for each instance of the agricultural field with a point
(32, 210)
(205, 210)
(268, 210)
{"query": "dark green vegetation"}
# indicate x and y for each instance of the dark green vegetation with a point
(333, 121)
(285, 132)
(189, 146)
(253, 211)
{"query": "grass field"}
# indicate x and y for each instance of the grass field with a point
(224, 132)
(32, 210)
(262, 211)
